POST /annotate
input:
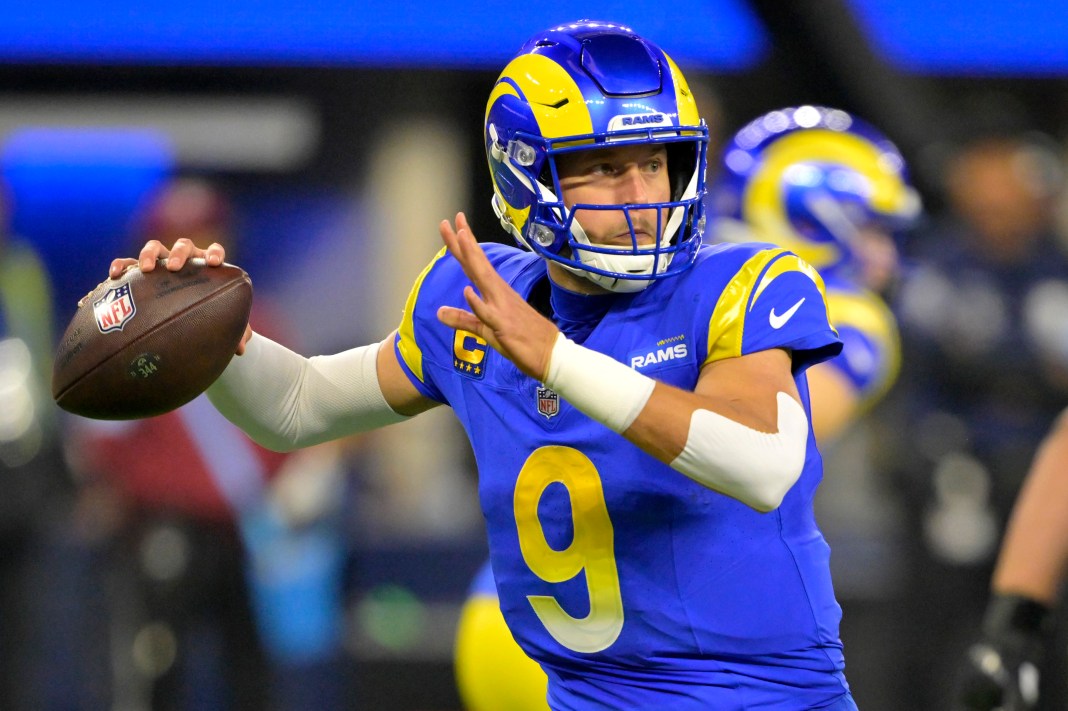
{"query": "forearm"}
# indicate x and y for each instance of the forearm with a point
(681, 429)
(285, 401)
(1034, 553)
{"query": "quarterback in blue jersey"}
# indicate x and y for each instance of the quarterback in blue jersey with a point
(830, 188)
(636, 400)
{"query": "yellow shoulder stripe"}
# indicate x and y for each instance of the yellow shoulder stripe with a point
(727, 325)
(409, 349)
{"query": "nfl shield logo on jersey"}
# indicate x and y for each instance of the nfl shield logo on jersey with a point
(115, 309)
(548, 402)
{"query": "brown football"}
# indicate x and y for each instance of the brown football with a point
(150, 342)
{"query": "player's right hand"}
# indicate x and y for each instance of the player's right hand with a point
(1001, 670)
(182, 250)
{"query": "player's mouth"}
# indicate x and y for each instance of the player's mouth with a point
(625, 240)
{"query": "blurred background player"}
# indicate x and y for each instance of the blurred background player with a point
(492, 671)
(983, 309)
(833, 190)
(225, 585)
(1003, 668)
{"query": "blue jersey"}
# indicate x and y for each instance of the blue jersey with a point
(871, 352)
(632, 585)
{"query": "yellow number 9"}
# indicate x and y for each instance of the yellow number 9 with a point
(591, 548)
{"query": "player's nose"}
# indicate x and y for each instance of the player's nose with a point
(633, 187)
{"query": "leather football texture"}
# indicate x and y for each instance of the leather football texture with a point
(149, 342)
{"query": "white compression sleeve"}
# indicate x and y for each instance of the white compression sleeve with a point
(285, 401)
(757, 468)
(598, 385)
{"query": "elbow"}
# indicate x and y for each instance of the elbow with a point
(761, 488)
(772, 489)
(754, 467)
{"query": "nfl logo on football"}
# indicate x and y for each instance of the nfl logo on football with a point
(548, 402)
(115, 309)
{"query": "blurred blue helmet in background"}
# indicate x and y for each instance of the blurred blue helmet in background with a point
(810, 178)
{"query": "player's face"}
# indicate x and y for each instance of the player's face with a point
(622, 175)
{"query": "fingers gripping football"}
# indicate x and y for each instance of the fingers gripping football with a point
(498, 314)
(176, 256)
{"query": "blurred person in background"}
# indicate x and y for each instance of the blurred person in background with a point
(636, 399)
(35, 485)
(983, 310)
(224, 558)
(1003, 669)
(832, 190)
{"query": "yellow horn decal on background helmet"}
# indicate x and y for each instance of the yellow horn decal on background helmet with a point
(763, 204)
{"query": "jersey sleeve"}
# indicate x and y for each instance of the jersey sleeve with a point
(414, 342)
(431, 353)
(775, 300)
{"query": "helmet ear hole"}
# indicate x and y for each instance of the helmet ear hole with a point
(681, 162)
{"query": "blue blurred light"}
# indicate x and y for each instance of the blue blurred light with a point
(713, 34)
(969, 37)
(74, 193)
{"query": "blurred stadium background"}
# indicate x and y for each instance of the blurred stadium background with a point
(343, 131)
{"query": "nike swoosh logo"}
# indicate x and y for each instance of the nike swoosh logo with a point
(778, 321)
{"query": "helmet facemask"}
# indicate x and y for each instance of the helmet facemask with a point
(555, 232)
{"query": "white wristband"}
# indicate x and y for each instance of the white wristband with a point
(599, 386)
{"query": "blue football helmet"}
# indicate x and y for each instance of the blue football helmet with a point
(809, 178)
(589, 85)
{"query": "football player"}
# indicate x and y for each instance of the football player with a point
(834, 191)
(636, 399)
(1002, 667)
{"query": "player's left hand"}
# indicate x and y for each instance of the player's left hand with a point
(995, 679)
(1001, 671)
(498, 314)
